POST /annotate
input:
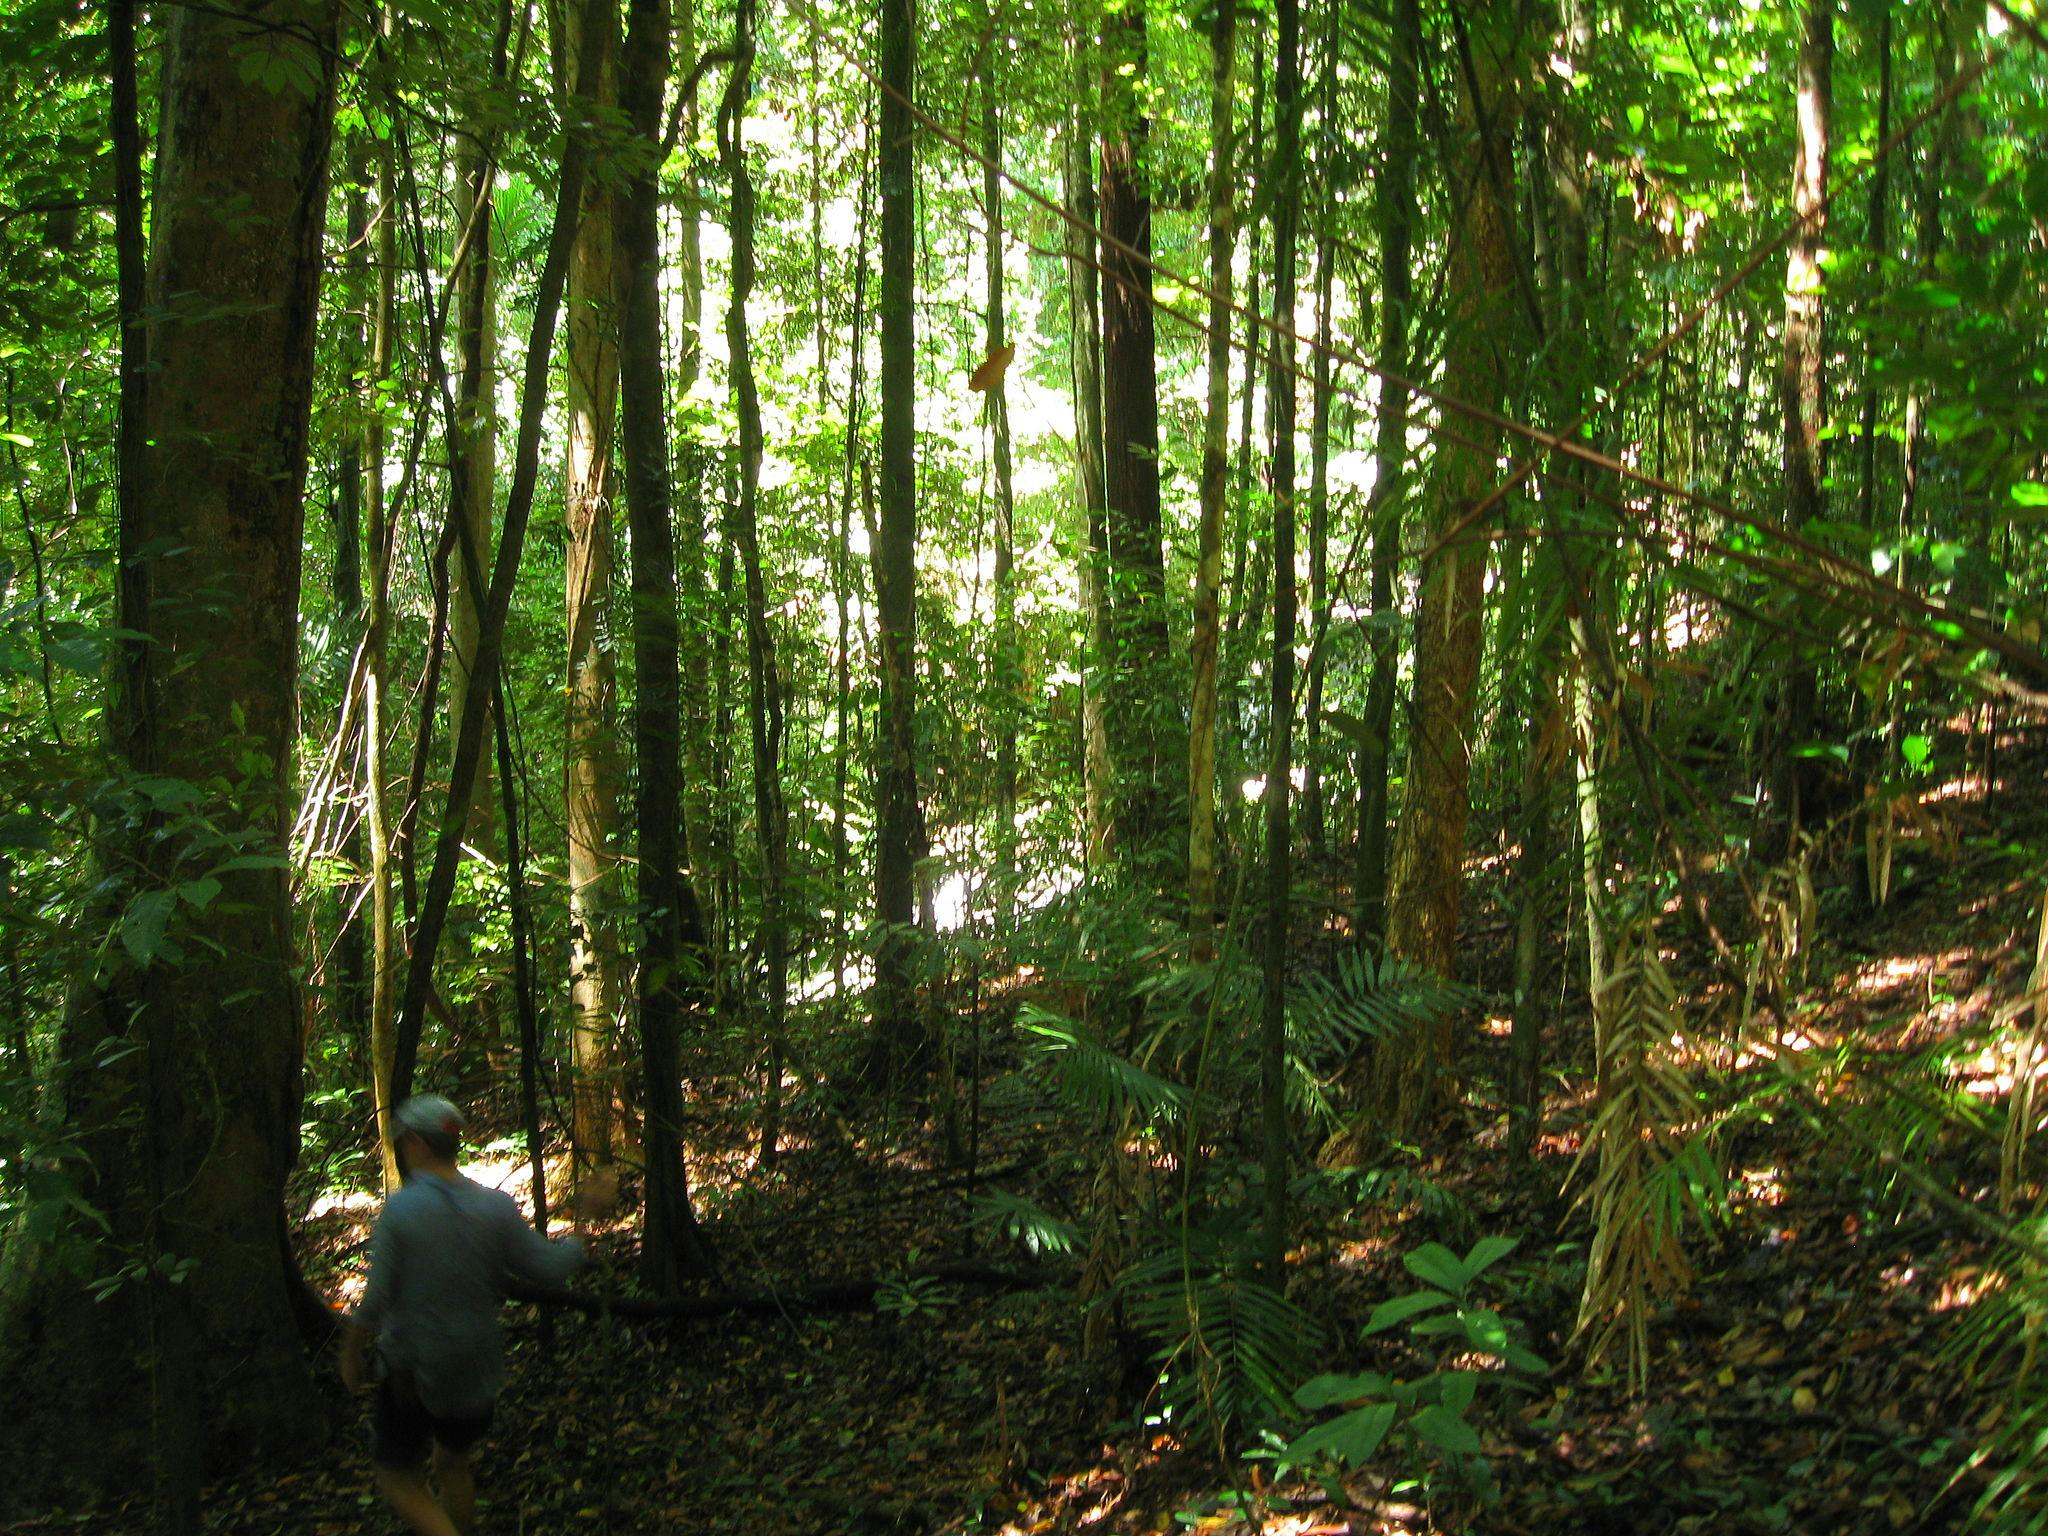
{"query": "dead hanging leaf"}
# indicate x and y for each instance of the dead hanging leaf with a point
(992, 369)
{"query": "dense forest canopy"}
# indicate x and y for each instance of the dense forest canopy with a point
(1349, 698)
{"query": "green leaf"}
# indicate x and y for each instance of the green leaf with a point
(142, 928)
(1447, 1431)
(1916, 750)
(1326, 1391)
(2030, 493)
(198, 894)
(1486, 1253)
(1351, 1437)
(1439, 1266)
(1485, 1330)
(1399, 1309)
(1459, 1388)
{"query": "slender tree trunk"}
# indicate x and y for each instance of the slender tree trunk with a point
(350, 995)
(1801, 390)
(845, 722)
(432, 914)
(1202, 874)
(1142, 714)
(1329, 132)
(376, 675)
(764, 683)
(178, 1070)
(1279, 868)
(899, 1045)
(1006, 715)
(1085, 349)
(1394, 211)
(671, 923)
(477, 421)
(1482, 354)
(590, 767)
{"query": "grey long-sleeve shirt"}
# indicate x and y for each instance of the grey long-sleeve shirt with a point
(440, 1258)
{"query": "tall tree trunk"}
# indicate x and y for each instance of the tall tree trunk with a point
(376, 673)
(1142, 714)
(1006, 713)
(1801, 386)
(591, 767)
(1394, 211)
(1279, 868)
(1482, 354)
(350, 995)
(1328, 132)
(178, 1071)
(671, 923)
(1084, 314)
(1208, 628)
(899, 1045)
(764, 683)
(475, 341)
(469, 744)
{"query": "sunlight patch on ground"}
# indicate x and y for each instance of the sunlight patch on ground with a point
(1764, 1186)
(1361, 1253)
(1965, 1287)
(1498, 1025)
(1883, 977)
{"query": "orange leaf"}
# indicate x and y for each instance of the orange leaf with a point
(992, 369)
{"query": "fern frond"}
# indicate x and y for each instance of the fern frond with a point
(1229, 1347)
(1096, 1079)
(1020, 1220)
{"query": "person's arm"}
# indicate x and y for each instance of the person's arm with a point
(360, 1328)
(530, 1257)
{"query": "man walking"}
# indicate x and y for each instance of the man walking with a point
(442, 1254)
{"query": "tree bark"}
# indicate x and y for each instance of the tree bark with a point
(178, 1067)
(1481, 355)
(1279, 866)
(1208, 627)
(764, 681)
(1084, 315)
(671, 922)
(590, 759)
(1801, 395)
(899, 1044)
(1142, 714)
(1394, 211)
(1006, 705)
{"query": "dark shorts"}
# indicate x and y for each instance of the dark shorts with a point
(403, 1431)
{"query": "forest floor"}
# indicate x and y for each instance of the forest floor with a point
(1810, 1379)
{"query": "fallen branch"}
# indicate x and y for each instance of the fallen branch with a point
(856, 1295)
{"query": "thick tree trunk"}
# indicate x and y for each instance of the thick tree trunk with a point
(899, 1044)
(1208, 627)
(590, 759)
(671, 922)
(1279, 865)
(1146, 747)
(1394, 210)
(178, 1068)
(1482, 354)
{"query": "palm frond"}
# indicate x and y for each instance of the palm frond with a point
(1654, 1171)
(1020, 1220)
